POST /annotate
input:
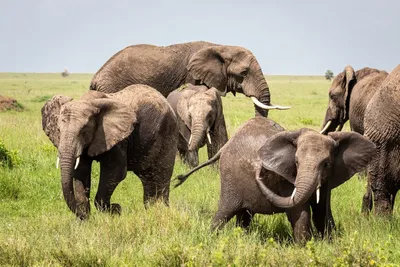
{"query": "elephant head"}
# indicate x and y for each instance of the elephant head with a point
(339, 97)
(232, 69)
(201, 111)
(93, 124)
(309, 160)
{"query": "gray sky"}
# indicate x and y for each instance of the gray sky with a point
(287, 37)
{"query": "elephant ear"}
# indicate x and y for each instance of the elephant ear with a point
(207, 65)
(350, 80)
(50, 115)
(352, 154)
(114, 123)
(278, 154)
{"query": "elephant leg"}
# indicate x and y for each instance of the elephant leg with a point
(367, 199)
(222, 216)
(380, 189)
(243, 218)
(300, 219)
(393, 199)
(322, 213)
(113, 170)
(82, 186)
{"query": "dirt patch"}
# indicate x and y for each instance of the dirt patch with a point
(7, 103)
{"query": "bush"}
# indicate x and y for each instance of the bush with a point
(8, 158)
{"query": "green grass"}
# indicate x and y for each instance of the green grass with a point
(37, 229)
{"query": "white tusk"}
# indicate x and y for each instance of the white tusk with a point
(77, 163)
(190, 139)
(317, 194)
(57, 162)
(292, 196)
(209, 137)
(261, 105)
(326, 127)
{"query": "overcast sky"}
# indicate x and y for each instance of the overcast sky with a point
(287, 37)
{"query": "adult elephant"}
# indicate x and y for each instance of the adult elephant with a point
(200, 121)
(382, 124)
(131, 130)
(349, 96)
(227, 68)
(267, 170)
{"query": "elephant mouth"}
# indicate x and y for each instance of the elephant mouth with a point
(332, 126)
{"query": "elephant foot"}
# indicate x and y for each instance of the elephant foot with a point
(115, 209)
(83, 211)
(383, 208)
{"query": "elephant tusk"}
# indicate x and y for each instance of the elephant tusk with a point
(77, 163)
(326, 127)
(340, 127)
(209, 137)
(292, 196)
(317, 194)
(190, 139)
(261, 105)
(57, 162)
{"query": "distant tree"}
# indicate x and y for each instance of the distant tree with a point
(65, 72)
(329, 75)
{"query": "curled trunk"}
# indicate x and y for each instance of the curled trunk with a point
(305, 187)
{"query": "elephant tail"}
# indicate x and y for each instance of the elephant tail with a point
(182, 177)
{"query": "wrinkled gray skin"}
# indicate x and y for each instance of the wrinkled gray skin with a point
(349, 96)
(227, 68)
(122, 132)
(199, 111)
(262, 164)
(382, 124)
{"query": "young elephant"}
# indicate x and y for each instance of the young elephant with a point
(200, 121)
(132, 130)
(267, 170)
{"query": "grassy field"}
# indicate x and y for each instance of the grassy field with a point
(37, 229)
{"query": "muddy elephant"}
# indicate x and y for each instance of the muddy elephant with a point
(382, 124)
(267, 170)
(200, 119)
(165, 68)
(349, 96)
(123, 133)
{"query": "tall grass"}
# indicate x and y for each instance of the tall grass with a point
(37, 229)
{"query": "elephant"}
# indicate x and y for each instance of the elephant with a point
(382, 124)
(123, 133)
(267, 170)
(165, 68)
(349, 96)
(200, 119)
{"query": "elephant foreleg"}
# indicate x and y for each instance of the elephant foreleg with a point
(113, 167)
(82, 186)
(300, 219)
(243, 218)
(367, 199)
(322, 213)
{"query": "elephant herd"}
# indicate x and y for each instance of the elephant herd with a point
(148, 103)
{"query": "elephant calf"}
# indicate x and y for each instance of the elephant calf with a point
(132, 130)
(267, 170)
(200, 120)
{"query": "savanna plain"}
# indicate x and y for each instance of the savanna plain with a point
(37, 229)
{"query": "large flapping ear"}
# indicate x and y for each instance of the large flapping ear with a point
(207, 65)
(350, 79)
(278, 154)
(114, 123)
(352, 155)
(50, 114)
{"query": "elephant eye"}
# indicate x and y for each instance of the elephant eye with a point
(244, 73)
(327, 164)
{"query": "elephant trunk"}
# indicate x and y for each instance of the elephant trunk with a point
(67, 163)
(199, 131)
(330, 123)
(263, 95)
(304, 188)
